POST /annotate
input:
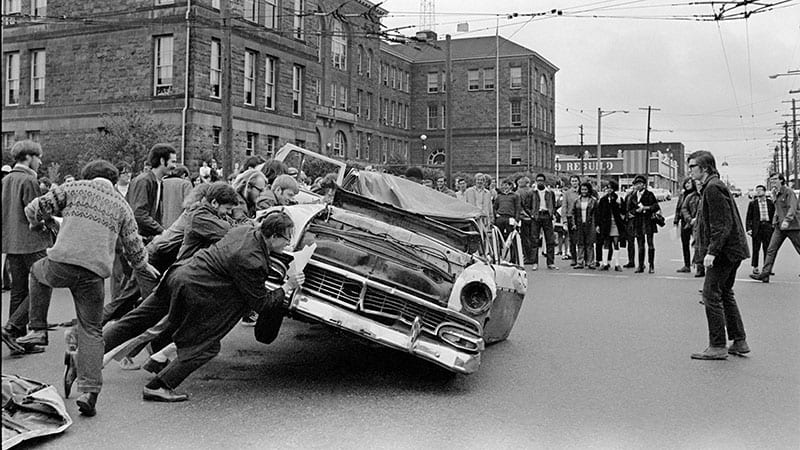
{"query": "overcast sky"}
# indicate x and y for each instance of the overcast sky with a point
(638, 59)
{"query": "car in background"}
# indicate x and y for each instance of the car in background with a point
(736, 192)
(662, 195)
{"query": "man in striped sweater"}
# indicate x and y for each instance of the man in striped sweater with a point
(95, 215)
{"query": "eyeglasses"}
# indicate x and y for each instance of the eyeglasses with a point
(692, 166)
(288, 238)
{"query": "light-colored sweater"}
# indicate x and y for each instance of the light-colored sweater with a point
(95, 215)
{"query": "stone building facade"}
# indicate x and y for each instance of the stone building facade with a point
(311, 72)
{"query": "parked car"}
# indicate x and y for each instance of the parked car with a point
(661, 194)
(402, 265)
(736, 192)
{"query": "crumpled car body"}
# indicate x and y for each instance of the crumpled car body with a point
(407, 267)
(31, 409)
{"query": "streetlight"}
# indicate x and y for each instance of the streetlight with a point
(788, 73)
(600, 114)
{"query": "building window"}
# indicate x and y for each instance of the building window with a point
(270, 13)
(272, 145)
(433, 82)
(488, 79)
(516, 113)
(384, 150)
(360, 63)
(297, 90)
(408, 81)
(215, 4)
(543, 85)
(12, 79)
(444, 117)
(12, 6)
(252, 142)
(369, 63)
(33, 135)
(515, 149)
(407, 114)
(163, 2)
(368, 106)
(339, 144)
(392, 113)
(250, 12)
(359, 99)
(299, 8)
(516, 77)
(394, 77)
(249, 77)
(343, 97)
(385, 74)
(339, 45)
(216, 67)
(437, 157)
(216, 136)
(433, 117)
(444, 81)
(473, 80)
(37, 76)
(8, 140)
(269, 96)
(367, 147)
(332, 93)
(163, 65)
(38, 8)
(359, 138)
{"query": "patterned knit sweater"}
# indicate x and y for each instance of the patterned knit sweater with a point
(95, 214)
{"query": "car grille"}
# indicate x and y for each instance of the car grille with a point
(338, 289)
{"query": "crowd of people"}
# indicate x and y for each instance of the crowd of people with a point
(188, 260)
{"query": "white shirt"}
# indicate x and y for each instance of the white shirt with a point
(542, 202)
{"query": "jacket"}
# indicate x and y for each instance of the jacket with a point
(641, 223)
(610, 206)
(689, 208)
(721, 233)
(143, 197)
(577, 217)
(174, 191)
(753, 218)
(20, 187)
(507, 205)
(786, 208)
(203, 228)
(531, 201)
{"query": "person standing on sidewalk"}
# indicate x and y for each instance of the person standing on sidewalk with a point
(567, 201)
(540, 204)
(610, 224)
(23, 245)
(684, 224)
(786, 224)
(95, 216)
(583, 213)
(723, 244)
(642, 206)
(758, 224)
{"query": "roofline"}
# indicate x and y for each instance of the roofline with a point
(369, 4)
(384, 47)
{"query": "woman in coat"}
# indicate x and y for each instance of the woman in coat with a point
(686, 211)
(642, 207)
(692, 210)
(611, 225)
(584, 226)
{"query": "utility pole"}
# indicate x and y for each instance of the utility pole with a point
(581, 127)
(786, 143)
(225, 94)
(448, 132)
(794, 142)
(649, 109)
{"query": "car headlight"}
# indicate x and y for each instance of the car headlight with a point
(476, 297)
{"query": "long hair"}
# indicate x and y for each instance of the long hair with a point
(589, 188)
(705, 160)
(692, 187)
(246, 179)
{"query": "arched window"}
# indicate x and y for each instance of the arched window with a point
(360, 67)
(543, 85)
(437, 157)
(339, 144)
(338, 45)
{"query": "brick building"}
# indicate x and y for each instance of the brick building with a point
(311, 72)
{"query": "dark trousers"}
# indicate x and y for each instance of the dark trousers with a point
(19, 267)
(120, 272)
(775, 242)
(137, 286)
(527, 241)
(149, 313)
(686, 240)
(651, 250)
(721, 310)
(6, 275)
(761, 241)
(542, 222)
(586, 237)
(573, 248)
(87, 290)
(501, 222)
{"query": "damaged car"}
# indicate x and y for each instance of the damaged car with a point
(401, 265)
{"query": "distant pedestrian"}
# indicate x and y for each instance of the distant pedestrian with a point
(583, 211)
(786, 224)
(641, 207)
(569, 196)
(95, 215)
(760, 213)
(692, 209)
(22, 245)
(683, 221)
(124, 182)
(723, 244)
(176, 187)
(507, 208)
(441, 186)
(461, 188)
(610, 218)
(523, 191)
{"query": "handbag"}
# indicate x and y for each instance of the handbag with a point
(659, 219)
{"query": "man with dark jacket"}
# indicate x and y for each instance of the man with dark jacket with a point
(540, 204)
(786, 224)
(23, 245)
(723, 244)
(758, 224)
(642, 205)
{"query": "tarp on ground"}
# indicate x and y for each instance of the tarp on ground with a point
(410, 196)
(31, 409)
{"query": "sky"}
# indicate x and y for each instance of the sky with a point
(709, 79)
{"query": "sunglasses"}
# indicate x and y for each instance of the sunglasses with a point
(692, 166)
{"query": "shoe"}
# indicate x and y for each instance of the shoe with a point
(578, 266)
(535, 267)
(566, 257)
(591, 266)
(70, 372)
(684, 269)
(702, 302)
(712, 353)
(762, 277)
(558, 253)
(127, 363)
(630, 265)
(699, 274)
(154, 366)
(651, 269)
(34, 337)
(552, 267)
(617, 268)
(86, 403)
(604, 267)
(250, 320)
(639, 270)
(739, 348)
(163, 395)
(756, 271)
(11, 342)
(573, 264)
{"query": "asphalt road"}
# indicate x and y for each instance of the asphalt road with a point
(596, 360)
